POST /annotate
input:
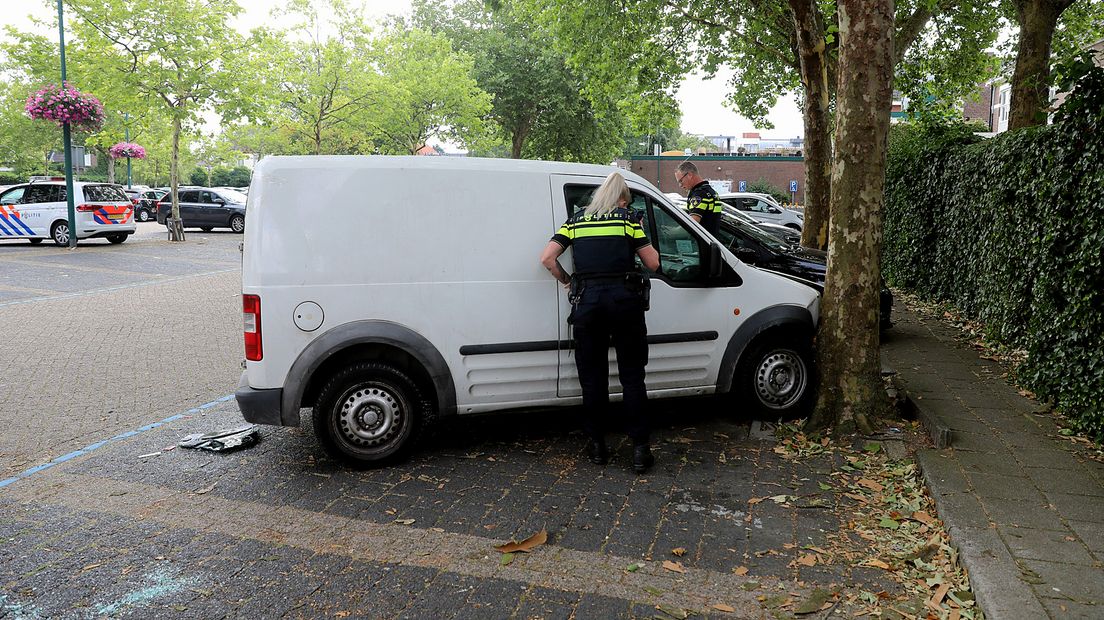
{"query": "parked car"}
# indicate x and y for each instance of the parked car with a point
(763, 208)
(340, 317)
(785, 234)
(37, 211)
(146, 207)
(206, 208)
(753, 246)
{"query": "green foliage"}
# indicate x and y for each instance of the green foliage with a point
(1010, 230)
(763, 186)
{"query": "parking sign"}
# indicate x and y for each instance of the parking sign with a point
(743, 186)
(793, 186)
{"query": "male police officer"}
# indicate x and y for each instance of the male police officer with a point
(701, 198)
(609, 298)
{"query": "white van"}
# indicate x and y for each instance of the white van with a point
(386, 291)
(37, 211)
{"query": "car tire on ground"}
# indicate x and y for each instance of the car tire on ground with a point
(117, 239)
(143, 215)
(775, 377)
(60, 233)
(206, 228)
(237, 223)
(793, 226)
(369, 414)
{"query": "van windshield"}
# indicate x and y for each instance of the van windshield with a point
(104, 193)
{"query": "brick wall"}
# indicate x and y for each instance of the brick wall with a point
(778, 171)
(980, 110)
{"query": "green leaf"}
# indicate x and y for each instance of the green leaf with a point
(815, 601)
(872, 447)
(632, 568)
(506, 559)
(886, 522)
(824, 487)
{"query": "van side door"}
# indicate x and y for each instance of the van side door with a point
(691, 316)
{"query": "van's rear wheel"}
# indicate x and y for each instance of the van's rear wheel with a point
(117, 239)
(775, 377)
(369, 414)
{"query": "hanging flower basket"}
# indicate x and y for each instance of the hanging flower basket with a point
(127, 149)
(65, 104)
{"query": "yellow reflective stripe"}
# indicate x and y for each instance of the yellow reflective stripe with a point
(608, 230)
(565, 231)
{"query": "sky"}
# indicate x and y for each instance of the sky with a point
(701, 101)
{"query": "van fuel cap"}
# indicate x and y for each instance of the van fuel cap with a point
(308, 316)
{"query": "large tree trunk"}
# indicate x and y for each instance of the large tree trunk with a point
(1031, 77)
(847, 340)
(812, 55)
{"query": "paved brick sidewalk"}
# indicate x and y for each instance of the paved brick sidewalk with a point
(1025, 508)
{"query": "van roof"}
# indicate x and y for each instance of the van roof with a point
(285, 162)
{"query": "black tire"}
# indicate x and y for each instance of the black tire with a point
(206, 228)
(793, 226)
(117, 239)
(369, 414)
(775, 377)
(35, 241)
(237, 223)
(59, 232)
(143, 215)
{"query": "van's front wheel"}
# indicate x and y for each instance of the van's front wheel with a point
(369, 414)
(775, 377)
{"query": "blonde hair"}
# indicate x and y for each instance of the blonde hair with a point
(606, 197)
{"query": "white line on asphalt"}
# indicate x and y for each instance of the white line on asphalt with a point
(116, 288)
(89, 448)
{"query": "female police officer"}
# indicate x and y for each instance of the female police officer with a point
(608, 296)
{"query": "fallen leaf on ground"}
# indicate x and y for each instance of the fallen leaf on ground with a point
(526, 545)
(632, 568)
(506, 559)
(870, 484)
(815, 601)
(809, 559)
(405, 521)
(924, 518)
(937, 598)
(679, 551)
(343, 614)
(856, 497)
(673, 566)
(91, 566)
(740, 570)
(779, 499)
(876, 563)
(755, 500)
(674, 612)
(205, 490)
(722, 607)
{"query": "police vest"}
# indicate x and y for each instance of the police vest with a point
(702, 201)
(602, 244)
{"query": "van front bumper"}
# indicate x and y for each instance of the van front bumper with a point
(259, 406)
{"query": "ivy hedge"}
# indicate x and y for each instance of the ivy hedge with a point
(1010, 230)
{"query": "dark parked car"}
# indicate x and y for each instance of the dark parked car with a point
(757, 248)
(145, 207)
(206, 208)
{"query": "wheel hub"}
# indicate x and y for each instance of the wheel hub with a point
(780, 380)
(369, 416)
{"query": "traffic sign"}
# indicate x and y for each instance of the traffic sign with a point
(793, 186)
(743, 186)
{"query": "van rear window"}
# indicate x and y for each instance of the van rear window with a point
(104, 193)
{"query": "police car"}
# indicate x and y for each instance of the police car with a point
(37, 211)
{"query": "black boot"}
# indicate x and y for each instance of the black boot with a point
(597, 452)
(642, 458)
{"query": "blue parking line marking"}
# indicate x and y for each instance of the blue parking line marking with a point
(99, 444)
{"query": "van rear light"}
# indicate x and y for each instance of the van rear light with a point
(88, 208)
(251, 323)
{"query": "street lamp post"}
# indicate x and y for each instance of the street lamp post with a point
(67, 140)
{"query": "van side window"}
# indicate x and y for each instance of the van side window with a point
(42, 193)
(189, 196)
(12, 197)
(679, 250)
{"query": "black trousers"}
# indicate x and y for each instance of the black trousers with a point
(608, 313)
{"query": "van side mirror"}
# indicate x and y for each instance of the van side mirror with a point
(746, 255)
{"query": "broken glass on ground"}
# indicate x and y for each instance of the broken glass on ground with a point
(223, 440)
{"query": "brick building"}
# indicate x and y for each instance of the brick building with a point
(778, 171)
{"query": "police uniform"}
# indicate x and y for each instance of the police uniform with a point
(702, 201)
(608, 305)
